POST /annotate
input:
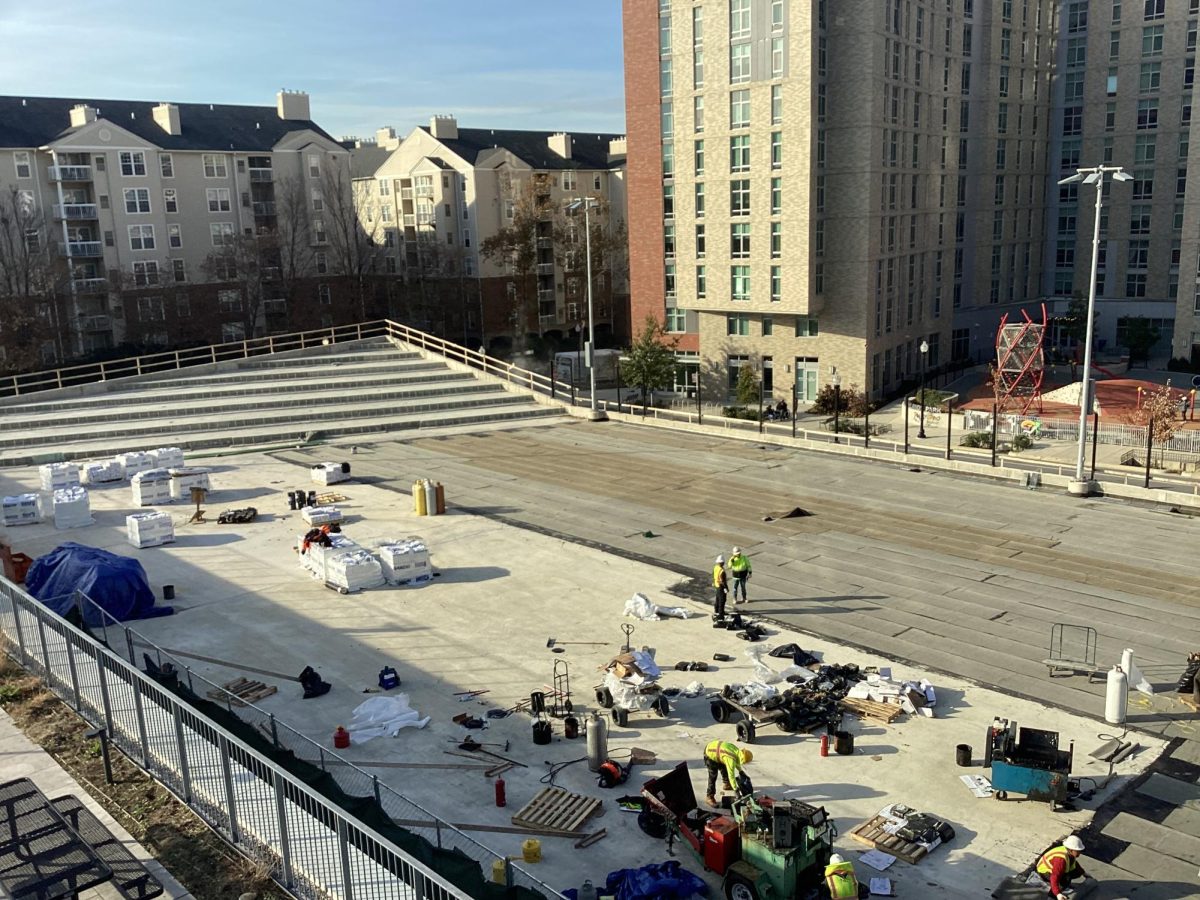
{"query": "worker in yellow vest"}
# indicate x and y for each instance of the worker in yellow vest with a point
(721, 586)
(840, 879)
(1059, 866)
(740, 568)
(725, 759)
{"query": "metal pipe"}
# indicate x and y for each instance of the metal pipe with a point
(995, 428)
(906, 426)
(1095, 435)
(949, 424)
(1149, 449)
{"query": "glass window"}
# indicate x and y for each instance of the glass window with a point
(739, 197)
(739, 109)
(739, 240)
(739, 153)
(739, 63)
(739, 282)
(776, 104)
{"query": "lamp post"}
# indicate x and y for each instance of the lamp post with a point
(1094, 175)
(837, 405)
(587, 204)
(924, 352)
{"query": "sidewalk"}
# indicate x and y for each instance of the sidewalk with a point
(25, 759)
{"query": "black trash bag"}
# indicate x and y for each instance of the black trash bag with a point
(798, 655)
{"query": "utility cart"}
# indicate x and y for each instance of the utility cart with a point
(1027, 761)
(788, 718)
(646, 698)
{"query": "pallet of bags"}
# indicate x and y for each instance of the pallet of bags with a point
(103, 472)
(134, 462)
(405, 561)
(321, 515)
(353, 570)
(330, 472)
(185, 478)
(69, 507)
(316, 549)
(20, 509)
(151, 486)
(59, 475)
(167, 457)
(149, 529)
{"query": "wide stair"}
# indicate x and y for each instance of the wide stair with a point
(359, 388)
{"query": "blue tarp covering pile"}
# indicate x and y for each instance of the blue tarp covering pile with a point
(115, 583)
(657, 881)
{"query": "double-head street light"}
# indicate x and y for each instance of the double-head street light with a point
(1094, 175)
(587, 204)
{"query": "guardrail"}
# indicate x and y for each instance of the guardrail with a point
(314, 848)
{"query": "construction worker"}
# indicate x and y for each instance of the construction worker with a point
(725, 759)
(840, 879)
(739, 566)
(721, 585)
(1059, 866)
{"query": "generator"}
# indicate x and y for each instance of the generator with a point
(1028, 761)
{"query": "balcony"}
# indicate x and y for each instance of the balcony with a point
(261, 176)
(545, 243)
(89, 285)
(406, 193)
(83, 249)
(74, 212)
(70, 173)
(264, 207)
(545, 268)
(94, 324)
(546, 296)
(271, 273)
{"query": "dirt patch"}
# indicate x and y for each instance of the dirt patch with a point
(200, 860)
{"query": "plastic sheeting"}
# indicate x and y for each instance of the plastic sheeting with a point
(381, 716)
(640, 607)
(115, 583)
(657, 881)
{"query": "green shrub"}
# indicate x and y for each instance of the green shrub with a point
(740, 412)
(931, 399)
(853, 402)
(1021, 442)
(856, 426)
(977, 439)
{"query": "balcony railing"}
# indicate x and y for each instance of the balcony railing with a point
(93, 324)
(406, 193)
(261, 175)
(546, 297)
(545, 243)
(545, 268)
(410, 220)
(75, 211)
(70, 173)
(90, 285)
(84, 249)
(264, 207)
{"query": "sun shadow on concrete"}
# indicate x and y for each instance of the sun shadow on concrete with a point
(472, 574)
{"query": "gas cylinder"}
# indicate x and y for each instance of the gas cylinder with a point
(1116, 700)
(501, 799)
(430, 498)
(441, 498)
(418, 492)
(597, 742)
(341, 738)
(588, 891)
(824, 745)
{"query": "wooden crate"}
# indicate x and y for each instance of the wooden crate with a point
(556, 809)
(872, 834)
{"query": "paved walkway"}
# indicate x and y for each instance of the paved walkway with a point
(25, 759)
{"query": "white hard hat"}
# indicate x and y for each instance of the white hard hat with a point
(836, 859)
(720, 559)
(737, 550)
(1074, 843)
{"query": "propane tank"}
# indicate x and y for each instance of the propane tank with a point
(418, 492)
(501, 799)
(341, 738)
(430, 498)
(1116, 700)
(440, 493)
(588, 891)
(597, 742)
(824, 745)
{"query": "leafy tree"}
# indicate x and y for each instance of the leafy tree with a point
(747, 388)
(650, 361)
(1075, 321)
(852, 402)
(1159, 412)
(1140, 336)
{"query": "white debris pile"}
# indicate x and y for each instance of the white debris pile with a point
(762, 672)
(384, 716)
(914, 697)
(639, 606)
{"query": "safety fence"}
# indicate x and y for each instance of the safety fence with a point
(1184, 441)
(314, 848)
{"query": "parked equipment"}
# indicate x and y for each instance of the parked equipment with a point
(1027, 761)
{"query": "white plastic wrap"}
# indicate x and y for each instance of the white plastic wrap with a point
(149, 529)
(134, 462)
(762, 672)
(103, 472)
(381, 716)
(56, 476)
(328, 473)
(321, 515)
(184, 479)
(151, 486)
(405, 561)
(639, 606)
(167, 457)
(72, 508)
(21, 509)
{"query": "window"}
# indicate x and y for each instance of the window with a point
(739, 240)
(150, 309)
(137, 200)
(698, 114)
(314, 165)
(739, 63)
(141, 237)
(669, 241)
(324, 294)
(668, 159)
(739, 153)
(776, 15)
(768, 326)
(1114, 46)
(669, 281)
(166, 165)
(23, 164)
(668, 201)
(776, 57)
(133, 162)
(739, 19)
(665, 82)
(179, 271)
(737, 325)
(776, 149)
(739, 197)
(1144, 150)
(667, 118)
(319, 236)
(215, 165)
(1152, 40)
(776, 104)
(1139, 219)
(229, 301)
(1072, 121)
(1073, 82)
(739, 109)
(664, 34)
(676, 320)
(1150, 78)
(698, 157)
(806, 326)
(169, 200)
(232, 331)
(700, 241)
(698, 67)
(1155, 9)
(699, 199)
(776, 240)
(221, 233)
(1077, 14)
(739, 282)
(1147, 114)
(218, 199)
(570, 180)
(174, 236)
(145, 273)
(776, 196)
(318, 201)
(776, 283)
(701, 282)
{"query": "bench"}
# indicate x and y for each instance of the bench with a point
(131, 878)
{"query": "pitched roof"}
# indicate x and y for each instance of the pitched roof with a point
(36, 121)
(366, 159)
(588, 151)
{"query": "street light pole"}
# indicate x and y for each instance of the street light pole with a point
(586, 203)
(924, 350)
(1095, 176)
(837, 405)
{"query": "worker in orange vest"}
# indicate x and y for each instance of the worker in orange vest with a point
(1059, 866)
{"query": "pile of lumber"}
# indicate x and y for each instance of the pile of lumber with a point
(870, 709)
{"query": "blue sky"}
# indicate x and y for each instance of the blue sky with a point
(548, 64)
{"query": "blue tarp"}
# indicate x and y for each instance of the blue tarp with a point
(115, 583)
(657, 881)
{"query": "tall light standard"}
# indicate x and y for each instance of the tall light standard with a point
(924, 350)
(587, 204)
(837, 405)
(1094, 175)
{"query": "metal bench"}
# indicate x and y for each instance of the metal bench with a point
(131, 878)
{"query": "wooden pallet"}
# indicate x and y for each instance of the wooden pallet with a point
(243, 690)
(872, 834)
(330, 497)
(556, 809)
(870, 709)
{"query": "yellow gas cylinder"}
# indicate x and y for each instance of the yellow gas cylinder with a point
(531, 850)
(499, 876)
(418, 492)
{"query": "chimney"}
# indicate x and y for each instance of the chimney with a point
(561, 144)
(167, 117)
(81, 114)
(444, 128)
(292, 106)
(617, 147)
(386, 138)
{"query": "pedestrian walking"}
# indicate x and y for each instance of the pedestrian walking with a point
(1183, 407)
(721, 585)
(740, 568)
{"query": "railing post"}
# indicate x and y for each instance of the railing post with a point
(108, 717)
(906, 426)
(375, 786)
(45, 651)
(74, 674)
(137, 365)
(129, 644)
(285, 848)
(949, 424)
(1149, 449)
(143, 742)
(995, 430)
(274, 732)
(213, 349)
(223, 751)
(554, 385)
(343, 834)
(58, 377)
(181, 746)
(1095, 435)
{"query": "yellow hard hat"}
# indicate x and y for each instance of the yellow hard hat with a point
(745, 755)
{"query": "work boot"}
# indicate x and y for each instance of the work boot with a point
(711, 800)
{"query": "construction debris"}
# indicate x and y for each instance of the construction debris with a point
(243, 691)
(557, 809)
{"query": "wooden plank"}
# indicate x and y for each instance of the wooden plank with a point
(870, 709)
(333, 761)
(871, 833)
(556, 809)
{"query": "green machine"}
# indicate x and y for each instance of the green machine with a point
(785, 848)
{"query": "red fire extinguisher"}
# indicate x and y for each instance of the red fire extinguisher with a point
(501, 800)
(824, 745)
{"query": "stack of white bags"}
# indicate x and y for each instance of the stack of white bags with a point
(406, 561)
(167, 457)
(149, 529)
(59, 475)
(330, 473)
(102, 472)
(135, 462)
(343, 564)
(321, 515)
(184, 479)
(151, 486)
(21, 509)
(70, 507)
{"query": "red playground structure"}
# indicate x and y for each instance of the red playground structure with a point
(1020, 364)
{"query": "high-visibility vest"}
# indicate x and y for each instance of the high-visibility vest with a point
(840, 879)
(727, 755)
(1045, 864)
(718, 571)
(739, 564)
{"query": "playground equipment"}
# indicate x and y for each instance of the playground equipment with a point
(1020, 364)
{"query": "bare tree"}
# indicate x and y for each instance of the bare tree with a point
(355, 232)
(287, 248)
(33, 284)
(610, 261)
(240, 264)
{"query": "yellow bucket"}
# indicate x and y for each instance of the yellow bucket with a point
(531, 850)
(498, 874)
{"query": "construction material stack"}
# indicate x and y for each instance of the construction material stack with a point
(149, 529)
(321, 515)
(70, 508)
(167, 457)
(151, 486)
(406, 561)
(184, 479)
(135, 462)
(56, 476)
(330, 472)
(341, 563)
(105, 471)
(21, 509)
